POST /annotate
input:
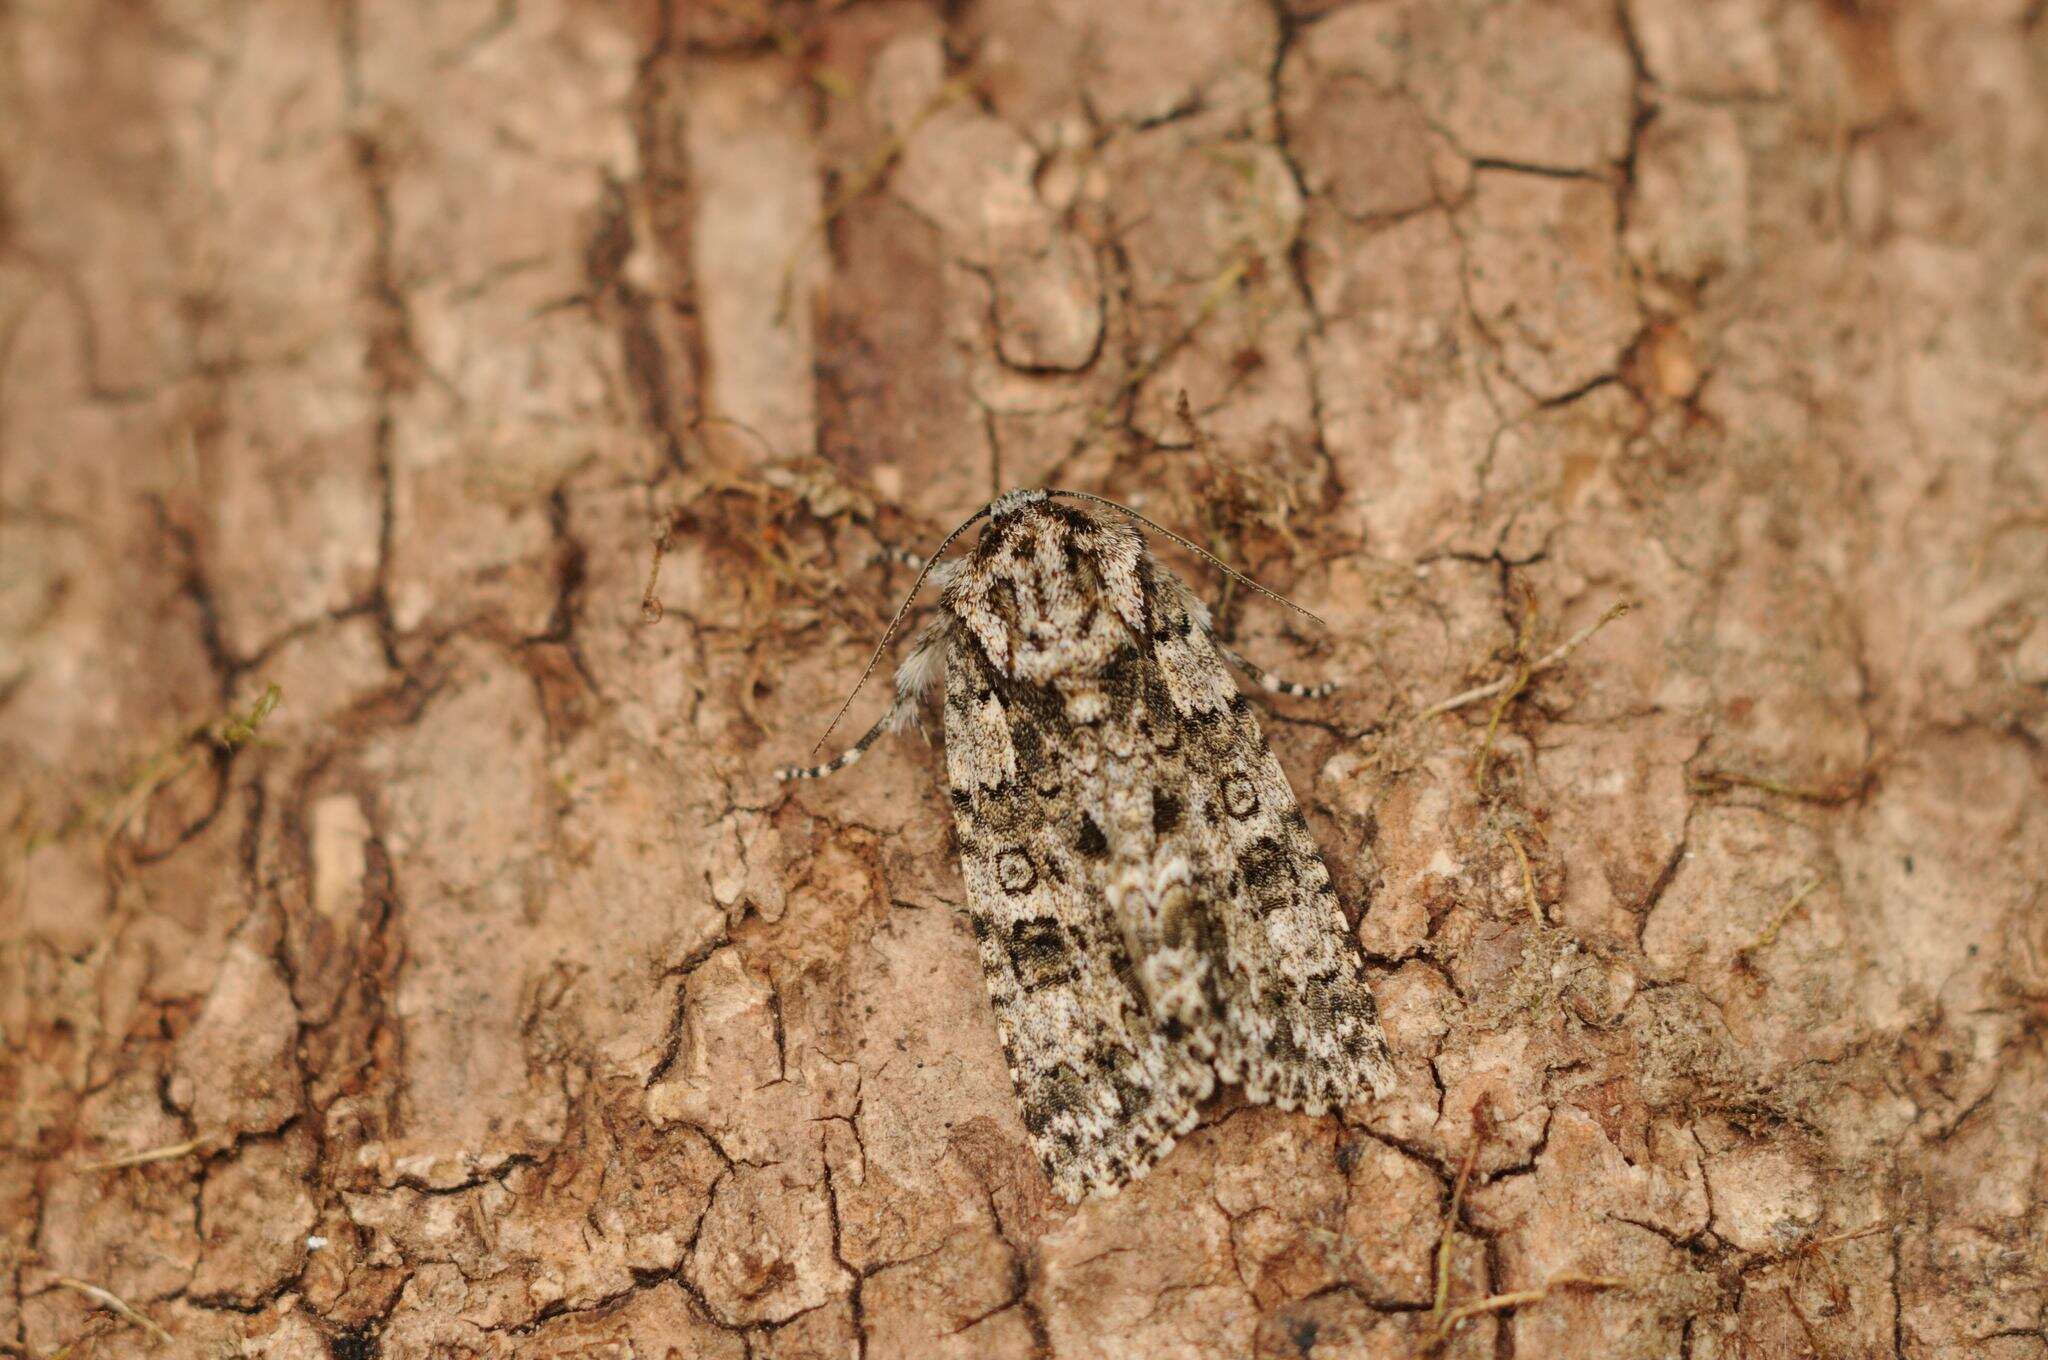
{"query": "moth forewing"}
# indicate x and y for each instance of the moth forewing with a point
(1151, 912)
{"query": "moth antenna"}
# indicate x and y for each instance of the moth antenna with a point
(890, 632)
(1232, 572)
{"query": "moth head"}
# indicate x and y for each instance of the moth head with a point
(1012, 516)
(1052, 588)
(1013, 503)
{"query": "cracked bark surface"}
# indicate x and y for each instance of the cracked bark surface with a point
(493, 1001)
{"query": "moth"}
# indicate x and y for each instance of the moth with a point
(1152, 915)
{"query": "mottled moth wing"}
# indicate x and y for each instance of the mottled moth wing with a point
(1151, 910)
(1104, 1089)
(1254, 953)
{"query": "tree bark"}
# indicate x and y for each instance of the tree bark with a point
(475, 991)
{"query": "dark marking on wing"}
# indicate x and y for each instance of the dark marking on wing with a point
(1091, 842)
(1166, 809)
(1240, 798)
(1015, 872)
(1268, 870)
(1039, 949)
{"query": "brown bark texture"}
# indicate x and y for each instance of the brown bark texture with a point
(408, 953)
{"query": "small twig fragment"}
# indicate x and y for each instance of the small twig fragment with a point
(1720, 781)
(1525, 639)
(169, 1152)
(1517, 678)
(1769, 935)
(238, 729)
(112, 808)
(1836, 1239)
(116, 1305)
(1480, 1125)
(1500, 1303)
(1528, 878)
(651, 608)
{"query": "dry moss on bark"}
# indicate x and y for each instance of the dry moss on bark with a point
(495, 1002)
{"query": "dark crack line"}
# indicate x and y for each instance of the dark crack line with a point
(853, 1295)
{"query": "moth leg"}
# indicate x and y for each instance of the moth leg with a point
(914, 679)
(1272, 683)
(846, 757)
(899, 716)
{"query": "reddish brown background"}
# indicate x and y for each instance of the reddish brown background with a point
(493, 1001)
